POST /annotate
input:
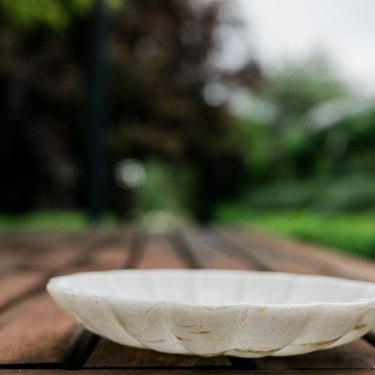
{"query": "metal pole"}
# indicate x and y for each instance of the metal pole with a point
(97, 116)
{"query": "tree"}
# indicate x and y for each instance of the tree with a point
(293, 91)
(159, 63)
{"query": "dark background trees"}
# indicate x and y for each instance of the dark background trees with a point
(158, 63)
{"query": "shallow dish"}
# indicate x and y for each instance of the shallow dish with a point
(213, 312)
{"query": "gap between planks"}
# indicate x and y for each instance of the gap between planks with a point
(358, 354)
(158, 253)
(180, 371)
(181, 241)
(52, 327)
(70, 260)
(84, 342)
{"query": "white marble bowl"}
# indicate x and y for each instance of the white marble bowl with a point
(214, 312)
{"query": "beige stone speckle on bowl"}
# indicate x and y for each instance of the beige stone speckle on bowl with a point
(214, 312)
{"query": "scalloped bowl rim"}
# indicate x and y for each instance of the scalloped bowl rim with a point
(59, 283)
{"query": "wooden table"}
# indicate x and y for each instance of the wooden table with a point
(37, 337)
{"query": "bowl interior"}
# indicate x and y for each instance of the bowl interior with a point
(217, 287)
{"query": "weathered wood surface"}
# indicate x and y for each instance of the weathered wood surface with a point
(34, 332)
(185, 371)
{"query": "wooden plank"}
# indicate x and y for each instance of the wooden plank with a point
(180, 371)
(356, 355)
(321, 261)
(22, 254)
(160, 254)
(210, 252)
(36, 330)
(157, 253)
(17, 284)
(47, 261)
(267, 258)
(109, 354)
(30, 240)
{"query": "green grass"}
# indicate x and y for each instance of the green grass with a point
(352, 232)
(49, 220)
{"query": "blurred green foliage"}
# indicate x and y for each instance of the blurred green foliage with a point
(167, 187)
(352, 232)
(55, 14)
(342, 194)
(158, 64)
(287, 147)
(306, 179)
(50, 220)
(297, 88)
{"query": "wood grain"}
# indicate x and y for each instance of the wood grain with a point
(185, 371)
(356, 355)
(210, 252)
(296, 255)
(26, 279)
(109, 354)
(35, 330)
(26, 253)
(160, 254)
